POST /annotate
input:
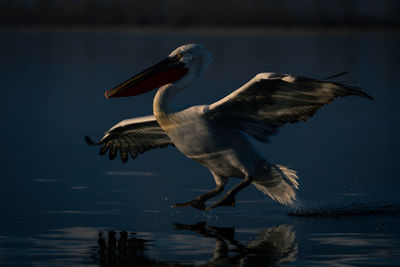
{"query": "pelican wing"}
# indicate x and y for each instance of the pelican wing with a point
(132, 136)
(271, 100)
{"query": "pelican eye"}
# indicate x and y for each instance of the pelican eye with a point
(179, 56)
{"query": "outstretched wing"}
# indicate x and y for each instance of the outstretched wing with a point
(132, 136)
(271, 100)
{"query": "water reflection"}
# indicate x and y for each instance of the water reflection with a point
(125, 249)
(272, 245)
(354, 249)
(351, 241)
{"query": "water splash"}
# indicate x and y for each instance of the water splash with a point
(381, 207)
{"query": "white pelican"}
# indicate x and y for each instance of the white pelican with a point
(216, 135)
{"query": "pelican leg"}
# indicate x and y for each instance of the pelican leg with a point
(199, 202)
(229, 198)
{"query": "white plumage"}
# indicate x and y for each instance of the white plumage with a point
(216, 135)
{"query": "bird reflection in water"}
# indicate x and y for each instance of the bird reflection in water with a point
(125, 250)
(273, 245)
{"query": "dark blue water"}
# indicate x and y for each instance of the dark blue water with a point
(62, 204)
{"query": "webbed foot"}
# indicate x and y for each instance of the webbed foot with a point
(225, 202)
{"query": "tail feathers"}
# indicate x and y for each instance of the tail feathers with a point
(279, 183)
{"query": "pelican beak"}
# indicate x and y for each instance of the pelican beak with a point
(167, 71)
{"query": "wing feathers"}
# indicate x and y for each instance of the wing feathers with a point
(351, 89)
(270, 100)
(113, 151)
(103, 149)
(335, 75)
(131, 137)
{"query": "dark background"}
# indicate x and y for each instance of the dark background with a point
(187, 13)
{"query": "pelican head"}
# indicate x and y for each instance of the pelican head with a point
(184, 65)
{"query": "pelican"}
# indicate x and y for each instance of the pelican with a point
(217, 135)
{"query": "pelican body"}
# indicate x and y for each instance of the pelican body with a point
(217, 135)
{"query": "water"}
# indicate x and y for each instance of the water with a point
(62, 204)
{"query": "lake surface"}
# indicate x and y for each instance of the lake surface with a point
(61, 204)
